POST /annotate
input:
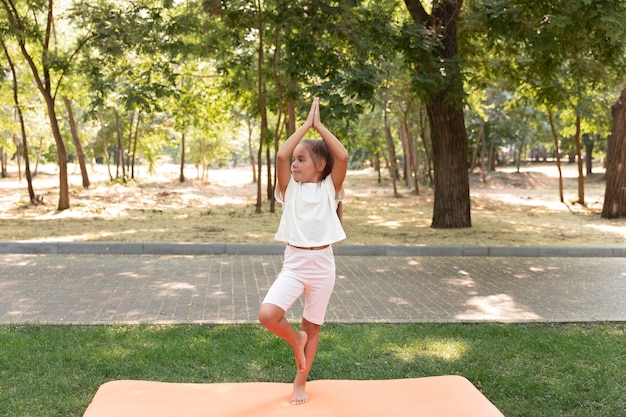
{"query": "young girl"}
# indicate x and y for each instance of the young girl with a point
(307, 188)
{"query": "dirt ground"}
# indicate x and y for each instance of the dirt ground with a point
(510, 208)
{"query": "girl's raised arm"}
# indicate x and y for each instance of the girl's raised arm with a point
(283, 156)
(340, 168)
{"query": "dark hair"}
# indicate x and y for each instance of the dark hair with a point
(321, 151)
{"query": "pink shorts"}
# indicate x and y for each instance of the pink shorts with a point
(308, 271)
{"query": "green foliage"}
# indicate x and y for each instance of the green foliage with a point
(431, 73)
(558, 48)
(186, 67)
(563, 56)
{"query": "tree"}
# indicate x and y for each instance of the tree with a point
(33, 39)
(18, 107)
(130, 63)
(439, 81)
(80, 155)
(391, 150)
(261, 98)
(299, 49)
(615, 192)
(557, 53)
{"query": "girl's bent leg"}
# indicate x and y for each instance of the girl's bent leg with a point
(273, 319)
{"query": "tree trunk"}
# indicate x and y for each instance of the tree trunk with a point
(483, 150)
(493, 157)
(445, 112)
(262, 108)
(406, 158)
(393, 168)
(519, 152)
(405, 164)
(120, 149)
(250, 152)
(608, 153)
(43, 82)
(79, 148)
(557, 154)
(135, 141)
(20, 115)
(29, 179)
(452, 198)
(411, 149)
(18, 157)
(376, 164)
(64, 191)
(272, 175)
(3, 163)
(589, 143)
(105, 145)
(428, 165)
(478, 159)
(291, 117)
(615, 192)
(581, 175)
(38, 154)
(474, 162)
(181, 177)
(268, 187)
(415, 161)
(129, 152)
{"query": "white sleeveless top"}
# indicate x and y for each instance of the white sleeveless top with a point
(309, 214)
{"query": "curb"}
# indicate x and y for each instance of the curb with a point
(182, 248)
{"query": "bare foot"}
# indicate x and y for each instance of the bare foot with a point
(298, 351)
(299, 396)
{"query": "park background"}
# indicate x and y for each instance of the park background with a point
(476, 122)
(424, 94)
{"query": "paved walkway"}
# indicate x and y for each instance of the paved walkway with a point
(159, 283)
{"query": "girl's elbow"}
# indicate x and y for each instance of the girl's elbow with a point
(343, 157)
(282, 157)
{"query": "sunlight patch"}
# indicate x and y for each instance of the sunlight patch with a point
(222, 201)
(521, 201)
(496, 307)
(618, 230)
(399, 301)
(462, 282)
(391, 224)
(441, 349)
(177, 286)
(379, 221)
(16, 259)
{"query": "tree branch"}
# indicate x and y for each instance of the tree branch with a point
(417, 11)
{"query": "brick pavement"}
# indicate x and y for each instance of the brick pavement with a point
(92, 288)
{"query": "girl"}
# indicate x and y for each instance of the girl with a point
(307, 188)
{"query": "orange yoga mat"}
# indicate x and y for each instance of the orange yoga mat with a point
(439, 396)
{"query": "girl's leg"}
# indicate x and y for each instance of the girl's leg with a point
(273, 319)
(310, 350)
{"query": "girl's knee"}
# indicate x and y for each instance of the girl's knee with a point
(269, 314)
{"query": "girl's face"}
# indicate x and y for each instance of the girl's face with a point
(304, 167)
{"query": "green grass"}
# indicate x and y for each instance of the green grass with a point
(526, 370)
